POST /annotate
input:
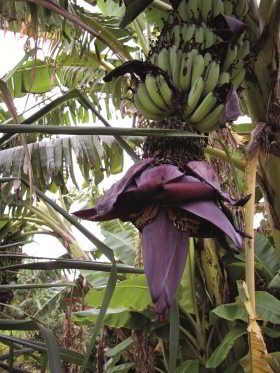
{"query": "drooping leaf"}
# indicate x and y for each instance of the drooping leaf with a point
(52, 157)
(188, 366)
(115, 318)
(266, 256)
(123, 245)
(274, 360)
(275, 282)
(132, 294)
(234, 368)
(33, 77)
(225, 346)
(266, 261)
(122, 368)
(120, 347)
(272, 333)
(52, 349)
(267, 308)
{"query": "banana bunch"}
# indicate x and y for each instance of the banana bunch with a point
(193, 10)
(202, 108)
(187, 35)
(153, 97)
(194, 70)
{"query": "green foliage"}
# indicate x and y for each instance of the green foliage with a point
(33, 77)
(225, 346)
(80, 59)
(121, 238)
(188, 366)
(132, 294)
(115, 318)
(267, 306)
(53, 160)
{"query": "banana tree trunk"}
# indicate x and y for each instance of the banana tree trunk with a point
(269, 168)
(263, 98)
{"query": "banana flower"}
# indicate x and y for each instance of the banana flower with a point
(168, 206)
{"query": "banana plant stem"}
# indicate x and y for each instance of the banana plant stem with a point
(250, 186)
(191, 338)
(193, 348)
(27, 220)
(95, 130)
(220, 154)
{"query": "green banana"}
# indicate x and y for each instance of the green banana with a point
(172, 58)
(188, 31)
(183, 11)
(154, 58)
(163, 61)
(199, 37)
(143, 110)
(204, 108)
(176, 35)
(186, 70)
(147, 101)
(154, 92)
(238, 79)
(198, 68)
(246, 10)
(117, 91)
(228, 8)
(194, 96)
(211, 120)
(193, 9)
(240, 39)
(210, 38)
(230, 57)
(164, 90)
(206, 10)
(175, 64)
(236, 68)
(212, 77)
(207, 59)
(224, 78)
(241, 8)
(218, 7)
(243, 50)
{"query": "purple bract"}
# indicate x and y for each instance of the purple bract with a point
(168, 207)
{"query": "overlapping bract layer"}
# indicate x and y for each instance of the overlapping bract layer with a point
(168, 207)
(202, 52)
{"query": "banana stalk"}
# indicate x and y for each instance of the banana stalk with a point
(270, 175)
(250, 187)
(212, 271)
(262, 109)
(254, 331)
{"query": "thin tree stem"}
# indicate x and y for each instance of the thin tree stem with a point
(250, 186)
